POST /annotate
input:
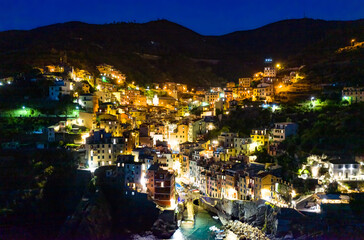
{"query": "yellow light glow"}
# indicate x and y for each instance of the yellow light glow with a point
(143, 181)
(231, 193)
(265, 193)
(252, 146)
(84, 136)
(293, 194)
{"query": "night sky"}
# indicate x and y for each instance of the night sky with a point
(203, 16)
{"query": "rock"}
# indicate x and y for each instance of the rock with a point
(91, 220)
(165, 225)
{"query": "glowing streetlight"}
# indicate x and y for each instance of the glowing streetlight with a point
(23, 107)
(353, 41)
(278, 65)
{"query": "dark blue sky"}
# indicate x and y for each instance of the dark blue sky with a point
(203, 16)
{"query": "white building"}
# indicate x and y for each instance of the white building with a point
(60, 88)
(88, 102)
(102, 149)
(193, 171)
(265, 91)
(284, 129)
(344, 169)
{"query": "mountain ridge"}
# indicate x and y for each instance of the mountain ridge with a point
(122, 44)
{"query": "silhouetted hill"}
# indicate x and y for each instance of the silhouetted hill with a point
(161, 50)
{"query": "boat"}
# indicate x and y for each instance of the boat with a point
(215, 217)
(220, 235)
(214, 229)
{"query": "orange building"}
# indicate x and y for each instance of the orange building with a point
(160, 185)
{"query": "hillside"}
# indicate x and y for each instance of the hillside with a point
(160, 51)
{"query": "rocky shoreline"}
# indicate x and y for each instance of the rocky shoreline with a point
(239, 230)
(255, 219)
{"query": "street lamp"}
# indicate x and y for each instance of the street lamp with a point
(352, 41)
(23, 107)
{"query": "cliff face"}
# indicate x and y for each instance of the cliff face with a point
(165, 225)
(257, 213)
(92, 219)
(97, 221)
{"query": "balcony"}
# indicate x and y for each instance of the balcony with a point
(162, 191)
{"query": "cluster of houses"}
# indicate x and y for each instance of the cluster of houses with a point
(153, 134)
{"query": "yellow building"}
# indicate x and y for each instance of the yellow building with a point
(353, 94)
(80, 75)
(132, 95)
(124, 118)
(87, 119)
(230, 185)
(180, 135)
(212, 97)
(242, 93)
(138, 116)
(112, 126)
(131, 140)
(230, 84)
(272, 187)
(183, 111)
(245, 82)
(228, 95)
(141, 101)
(260, 137)
(85, 88)
(111, 72)
(54, 69)
(167, 102)
(182, 88)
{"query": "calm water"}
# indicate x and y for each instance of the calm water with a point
(200, 231)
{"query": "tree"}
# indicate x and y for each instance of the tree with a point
(263, 156)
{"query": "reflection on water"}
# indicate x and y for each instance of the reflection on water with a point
(200, 231)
